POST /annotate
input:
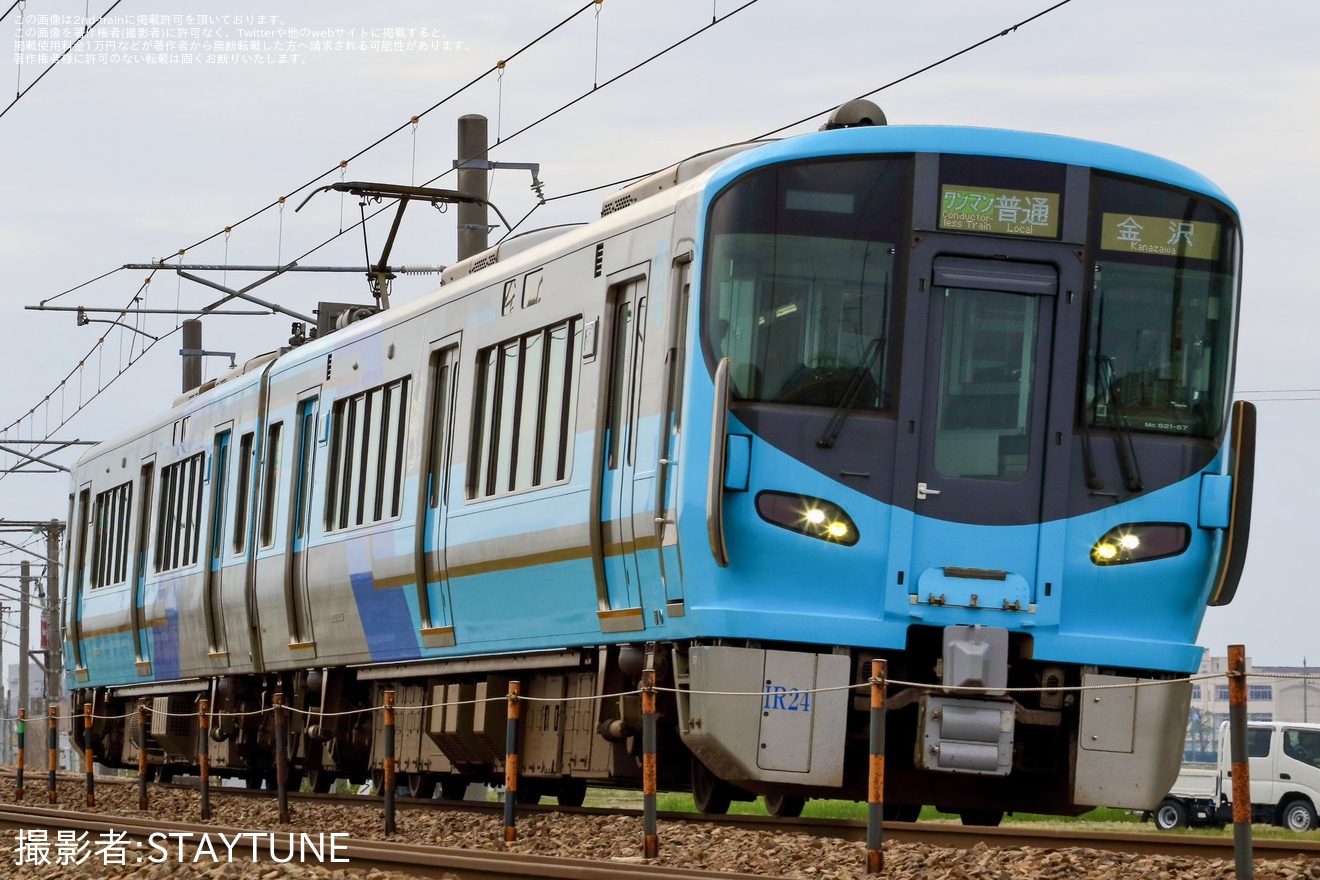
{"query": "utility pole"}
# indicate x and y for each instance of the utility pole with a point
(473, 176)
(4, 692)
(54, 642)
(24, 603)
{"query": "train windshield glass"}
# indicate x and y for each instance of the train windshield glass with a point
(1162, 310)
(799, 280)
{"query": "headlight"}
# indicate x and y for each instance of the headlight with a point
(1139, 542)
(805, 515)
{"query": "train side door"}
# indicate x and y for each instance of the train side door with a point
(981, 440)
(297, 598)
(666, 482)
(622, 610)
(433, 497)
(215, 572)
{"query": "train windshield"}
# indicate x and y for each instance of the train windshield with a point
(1162, 310)
(799, 280)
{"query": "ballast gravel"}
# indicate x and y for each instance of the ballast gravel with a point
(616, 839)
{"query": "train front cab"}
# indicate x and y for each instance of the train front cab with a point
(974, 393)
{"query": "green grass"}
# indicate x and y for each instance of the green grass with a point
(830, 809)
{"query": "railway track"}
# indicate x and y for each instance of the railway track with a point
(1136, 843)
(152, 841)
(931, 833)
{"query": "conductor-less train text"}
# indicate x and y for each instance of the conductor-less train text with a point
(955, 398)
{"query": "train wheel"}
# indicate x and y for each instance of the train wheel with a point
(901, 812)
(528, 792)
(985, 818)
(784, 806)
(452, 788)
(572, 792)
(421, 785)
(1170, 814)
(1299, 815)
(321, 781)
(165, 775)
(253, 779)
(711, 794)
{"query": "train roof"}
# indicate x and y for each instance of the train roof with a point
(960, 140)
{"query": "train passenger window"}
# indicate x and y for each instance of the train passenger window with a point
(179, 517)
(270, 478)
(799, 275)
(365, 472)
(243, 499)
(1162, 307)
(111, 518)
(526, 407)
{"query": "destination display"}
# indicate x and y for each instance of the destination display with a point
(1001, 211)
(1163, 236)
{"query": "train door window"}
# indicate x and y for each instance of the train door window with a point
(306, 435)
(84, 531)
(179, 517)
(438, 430)
(270, 476)
(635, 380)
(110, 531)
(986, 384)
(620, 381)
(244, 487)
(219, 495)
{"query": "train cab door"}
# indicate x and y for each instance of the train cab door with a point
(297, 600)
(433, 601)
(981, 432)
(621, 604)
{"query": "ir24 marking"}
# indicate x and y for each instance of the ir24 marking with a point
(785, 699)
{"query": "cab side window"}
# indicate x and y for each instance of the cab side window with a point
(1302, 745)
(1258, 742)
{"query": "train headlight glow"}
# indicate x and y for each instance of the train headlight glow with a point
(1140, 542)
(805, 515)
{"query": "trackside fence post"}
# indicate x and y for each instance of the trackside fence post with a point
(22, 735)
(87, 754)
(52, 746)
(1237, 732)
(511, 763)
(388, 775)
(204, 755)
(651, 840)
(875, 793)
(282, 758)
(142, 753)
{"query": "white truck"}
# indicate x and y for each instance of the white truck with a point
(1284, 764)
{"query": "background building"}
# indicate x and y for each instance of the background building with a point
(1295, 698)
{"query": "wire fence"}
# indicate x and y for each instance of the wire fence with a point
(860, 686)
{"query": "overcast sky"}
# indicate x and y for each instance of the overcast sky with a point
(158, 140)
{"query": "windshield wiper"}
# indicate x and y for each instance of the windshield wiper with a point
(1112, 393)
(840, 416)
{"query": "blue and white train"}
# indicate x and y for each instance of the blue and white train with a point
(955, 398)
